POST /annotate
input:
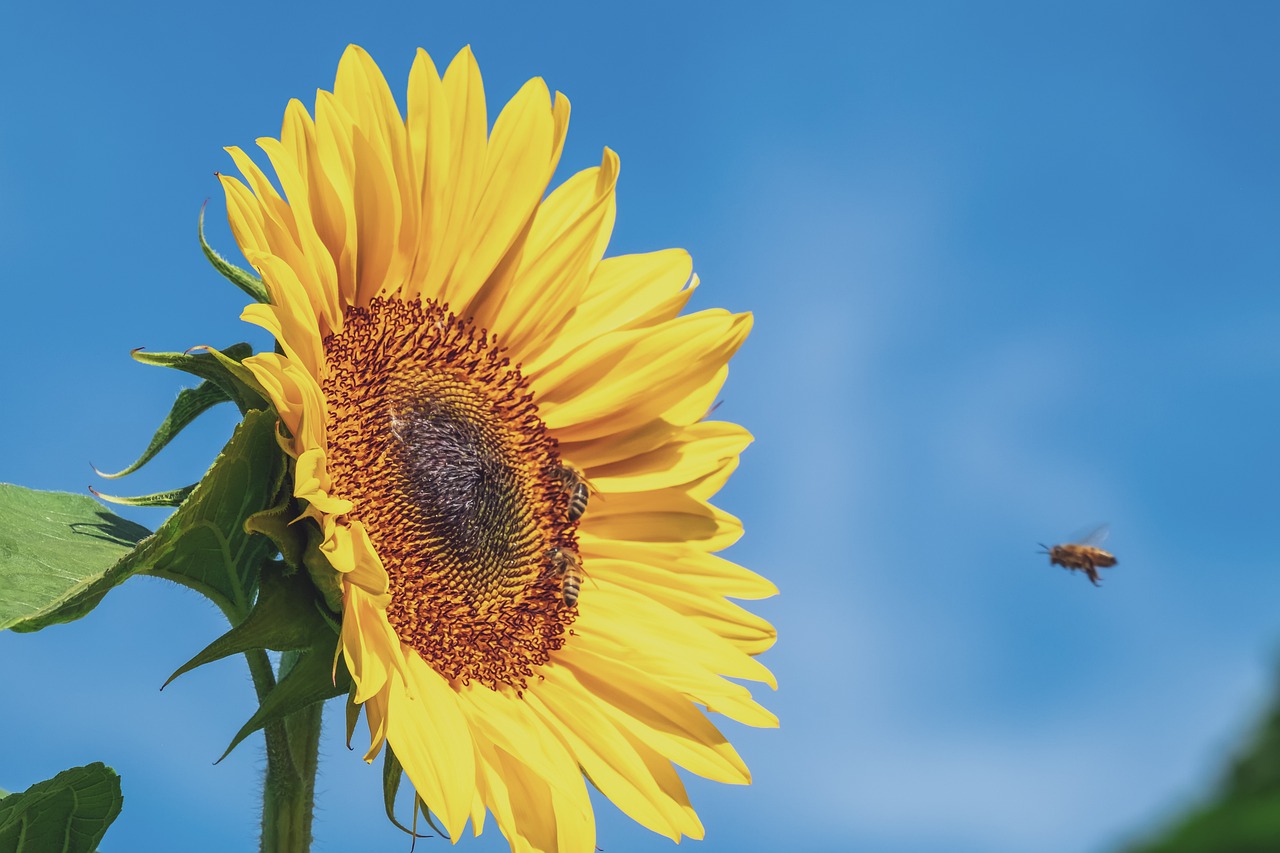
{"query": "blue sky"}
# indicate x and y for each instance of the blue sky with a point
(1014, 274)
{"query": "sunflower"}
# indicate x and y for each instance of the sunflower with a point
(500, 434)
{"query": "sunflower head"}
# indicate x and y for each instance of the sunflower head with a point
(499, 434)
(455, 479)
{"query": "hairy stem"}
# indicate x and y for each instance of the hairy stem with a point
(288, 794)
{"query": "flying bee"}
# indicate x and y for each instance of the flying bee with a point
(576, 485)
(1084, 555)
(566, 563)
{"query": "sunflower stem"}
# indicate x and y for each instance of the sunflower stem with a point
(260, 671)
(288, 793)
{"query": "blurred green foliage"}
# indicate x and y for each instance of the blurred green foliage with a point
(66, 814)
(1243, 816)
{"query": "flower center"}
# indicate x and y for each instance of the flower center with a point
(435, 438)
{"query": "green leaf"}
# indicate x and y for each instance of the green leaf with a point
(1249, 825)
(191, 403)
(66, 814)
(1243, 816)
(243, 279)
(203, 545)
(56, 549)
(222, 368)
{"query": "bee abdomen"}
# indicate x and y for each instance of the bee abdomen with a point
(570, 588)
(565, 563)
(577, 501)
(575, 487)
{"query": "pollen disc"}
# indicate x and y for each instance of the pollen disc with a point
(435, 438)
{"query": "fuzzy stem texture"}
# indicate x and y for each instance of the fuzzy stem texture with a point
(288, 793)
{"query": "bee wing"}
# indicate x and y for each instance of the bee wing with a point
(1094, 538)
(591, 487)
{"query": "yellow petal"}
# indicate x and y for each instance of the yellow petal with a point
(566, 241)
(750, 633)
(694, 681)
(287, 323)
(598, 452)
(316, 260)
(491, 785)
(612, 762)
(244, 215)
(668, 515)
(517, 169)
(366, 647)
(527, 810)
(506, 721)
(623, 292)
(369, 574)
(631, 619)
(429, 137)
(467, 145)
(336, 159)
(625, 379)
(699, 450)
(338, 549)
(376, 716)
(663, 720)
(427, 730)
(328, 213)
(295, 396)
(363, 91)
(696, 567)
(664, 776)
(276, 216)
(312, 484)
(378, 214)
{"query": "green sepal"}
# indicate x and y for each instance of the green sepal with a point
(241, 374)
(171, 498)
(66, 814)
(317, 676)
(223, 368)
(243, 279)
(279, 524)
(59, 554)
(323, 574)
(392, 771)
(353, 715)
(298, 540)
(283, 619)
(204, 544)
(312, 679)
(286, 618)
(421, 808)
(191, 403)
